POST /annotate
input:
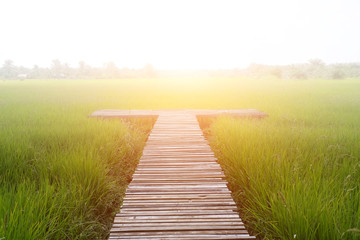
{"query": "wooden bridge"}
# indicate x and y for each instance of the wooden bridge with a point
(178, 190)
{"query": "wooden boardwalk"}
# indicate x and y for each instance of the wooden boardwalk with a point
(178, 190)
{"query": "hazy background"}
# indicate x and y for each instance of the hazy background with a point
(179, 34)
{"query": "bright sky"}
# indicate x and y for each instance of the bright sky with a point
(172, 34)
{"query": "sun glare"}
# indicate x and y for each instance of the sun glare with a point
(178, 34)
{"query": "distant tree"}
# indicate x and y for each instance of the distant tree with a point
(84, 70)
(259, 70)
(338, 71)
(297, 71)
(66, 70)
(22, 72)
(111, 70)
(352, 69)
(56, 68)
(8, 69)
(35, 72)
(317, 68)
(337, 74)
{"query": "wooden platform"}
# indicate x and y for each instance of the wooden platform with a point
(115, 113)
(178, 190)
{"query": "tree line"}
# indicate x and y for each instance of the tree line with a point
(59, 70)
(312, 69)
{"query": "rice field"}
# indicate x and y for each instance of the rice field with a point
(294, 175)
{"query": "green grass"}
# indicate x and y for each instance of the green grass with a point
(296, 173)
(62, 175)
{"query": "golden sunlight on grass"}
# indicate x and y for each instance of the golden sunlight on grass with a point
(301, 163)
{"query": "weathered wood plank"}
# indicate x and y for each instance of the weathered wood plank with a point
(214, 217)
(189, 237)
(220, 214)
(193, 235)
(177, 197)
(173, 227)
(174, 202)
(171, 224)
(178, 192)
(178, 220)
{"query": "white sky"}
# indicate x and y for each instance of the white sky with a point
(179, 34)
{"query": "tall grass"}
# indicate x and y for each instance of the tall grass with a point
(62, 175)
(294, 175)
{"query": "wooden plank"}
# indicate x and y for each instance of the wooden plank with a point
(177, 147)
(197, 236)
(175, 202)
(171, 176)
(171, 224)
(177, 208)
(188, 237)
(192, 233)
(178, 205)
(209, 227)
(177, 185)
(177, 162)
(179, 192)
(183, 154)
(220, 214)
(179, 180)
(187, 174)
(194, 197)
(183, 218)
(241, 234)
(178, 220)
(179, 158)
